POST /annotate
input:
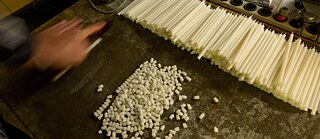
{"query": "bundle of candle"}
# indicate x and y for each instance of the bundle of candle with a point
(238, 45)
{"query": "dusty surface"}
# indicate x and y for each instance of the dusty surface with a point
(63, 109)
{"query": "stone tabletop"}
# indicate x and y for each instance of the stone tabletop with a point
(64, 109)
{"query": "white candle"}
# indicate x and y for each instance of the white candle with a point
(293, 91)
(265, 58)
(243, 34)
(227, 34)
(245, 65)
(315, 103)
(181, 15)
(236, 36)
(274, 67)
(189, 33)
(178, 21)
(170, 14)
(205, 27)
(312, 88)
(302, 53)
(256, 36)
(157, 10)
(236, 33)
(214, 37)
(189, 22)
(290, 67)
(310, 106)
(211, 31)
(247, 46)
(151, 8)
(262, 76)
(188, 40)
(252, 66)
(138, 9)
(167, 6)
(165, 16)
(134, 3)
(285, 61)
(234, 20)
(259, 58)
(306, 81)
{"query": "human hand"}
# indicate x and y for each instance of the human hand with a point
(65, 44)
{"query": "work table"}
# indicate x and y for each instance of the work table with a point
(64, 109)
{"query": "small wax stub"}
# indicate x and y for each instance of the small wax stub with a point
(96, 114)
(109, 97)
(99, 132)
(186, 119)
(215, 129)
(201, 116)
(173, 132)
(177, 117)
(162, 127)
(184, 110)
(99, 90)
(171, 116)
(183, 105)
(215, 99)
(184, 97)
(196, 97)
(188, 78)
(100, 86)
(153, 134)
(189, 106)
(184, 125)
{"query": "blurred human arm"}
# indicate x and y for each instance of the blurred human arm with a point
(65, 44)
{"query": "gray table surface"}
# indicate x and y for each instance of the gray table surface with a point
(63, 109)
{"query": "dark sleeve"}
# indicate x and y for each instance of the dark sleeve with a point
(3, 134)
(8, 131)
(15, 44)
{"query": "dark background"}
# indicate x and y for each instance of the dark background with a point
(40, 11)
(313, 1)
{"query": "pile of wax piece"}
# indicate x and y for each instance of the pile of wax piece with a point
(140, 102)
(238, 45)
